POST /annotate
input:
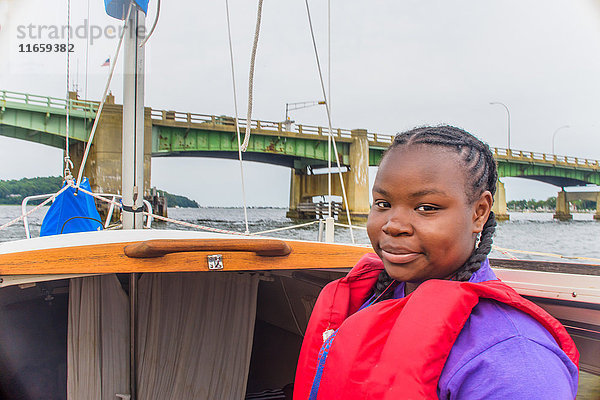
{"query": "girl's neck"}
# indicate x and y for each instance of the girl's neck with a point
(410, 287)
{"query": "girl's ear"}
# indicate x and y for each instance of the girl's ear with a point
(481, 210)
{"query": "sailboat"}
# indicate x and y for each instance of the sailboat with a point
(155, 314)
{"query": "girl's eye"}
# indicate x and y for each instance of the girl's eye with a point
(382, 204)
(427, 208)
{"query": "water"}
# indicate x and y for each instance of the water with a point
(525, 231)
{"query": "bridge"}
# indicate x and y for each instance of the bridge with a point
(303, 148)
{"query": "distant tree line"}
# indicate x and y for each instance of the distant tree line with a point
(14, 191)
(174, 200)
(547, 205)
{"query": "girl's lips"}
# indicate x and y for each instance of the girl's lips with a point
(402, 258)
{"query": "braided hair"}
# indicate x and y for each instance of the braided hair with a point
(481, 174)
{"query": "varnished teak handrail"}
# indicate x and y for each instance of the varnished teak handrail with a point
(160, 247)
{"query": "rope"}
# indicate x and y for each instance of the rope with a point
(160, 217)
(189, 225)
(97, 196)
(350, 226)
(337, 159)
(99, 112)
(237, 126)
(251, 77)
(49, 199)
(67, 159)
(285, 228)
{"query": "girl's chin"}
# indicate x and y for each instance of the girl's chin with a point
(403, 276)
(406, 272)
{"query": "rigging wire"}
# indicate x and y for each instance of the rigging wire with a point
(67, 159)
(87, 63)
(153, 25)
(337, 159)
(87, 48)
(251, 76)
(329, 104)
(99, 112)
(237, 125)
(285, 228)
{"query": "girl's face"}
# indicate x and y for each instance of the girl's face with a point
(422, 224)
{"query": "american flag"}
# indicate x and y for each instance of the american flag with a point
(106, 63)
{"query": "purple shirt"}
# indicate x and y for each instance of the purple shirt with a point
(503, 353)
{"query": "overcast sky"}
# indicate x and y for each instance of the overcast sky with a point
(394, 65)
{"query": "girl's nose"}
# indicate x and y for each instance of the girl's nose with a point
(396, 226)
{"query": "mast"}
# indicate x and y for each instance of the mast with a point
(133, 158)
(133, 121)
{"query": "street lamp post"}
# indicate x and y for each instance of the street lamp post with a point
(299, 105)
(554, 136)
(508, 114)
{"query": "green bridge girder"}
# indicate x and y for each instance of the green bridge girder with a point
(555, 175)
(41, 119)
(172, 141)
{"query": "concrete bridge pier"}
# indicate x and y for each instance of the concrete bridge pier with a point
(357, 184)
(562, 207)
(103, 166)
(499, 207)
(566, 197)
(304, 186)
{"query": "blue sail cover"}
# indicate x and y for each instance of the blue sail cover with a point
(72, 213)
(118, 8)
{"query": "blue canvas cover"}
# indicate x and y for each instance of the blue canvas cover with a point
(72, 213)
(118, 8)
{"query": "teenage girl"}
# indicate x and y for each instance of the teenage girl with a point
(426, 317)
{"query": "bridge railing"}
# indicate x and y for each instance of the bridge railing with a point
(337, 133)
(532, 156)
(46, 101)
(380, 139)
(375, 139)
(268, 126)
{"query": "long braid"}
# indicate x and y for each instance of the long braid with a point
(481, 173)
(480, 253)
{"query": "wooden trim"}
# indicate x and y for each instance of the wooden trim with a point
(161, 247)
(111, 258)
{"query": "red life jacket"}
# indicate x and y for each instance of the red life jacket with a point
(374, 355)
